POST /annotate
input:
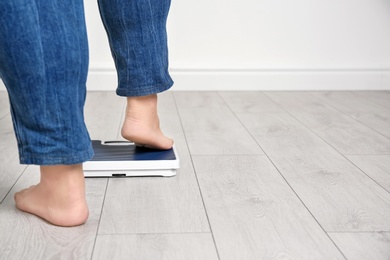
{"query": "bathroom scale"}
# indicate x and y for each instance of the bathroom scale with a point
(125, 159)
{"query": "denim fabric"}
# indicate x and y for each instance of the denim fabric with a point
(44, 64)
(137, 34)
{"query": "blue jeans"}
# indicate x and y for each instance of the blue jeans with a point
(44, 65)
(137, 34)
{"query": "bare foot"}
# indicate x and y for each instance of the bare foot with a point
(142, 125)
(59, 198)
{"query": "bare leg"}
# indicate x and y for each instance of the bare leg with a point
(59, 198)
(142, 125)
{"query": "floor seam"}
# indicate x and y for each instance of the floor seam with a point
(292, 189)
(196, 176)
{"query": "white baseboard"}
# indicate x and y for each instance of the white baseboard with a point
(219, 80)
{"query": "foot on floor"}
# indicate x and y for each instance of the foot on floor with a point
(59, 198)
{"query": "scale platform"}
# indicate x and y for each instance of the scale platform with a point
(125, 159)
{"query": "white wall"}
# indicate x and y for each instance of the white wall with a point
(265, 45)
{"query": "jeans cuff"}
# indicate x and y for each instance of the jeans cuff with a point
(144, 90)
(75, 158)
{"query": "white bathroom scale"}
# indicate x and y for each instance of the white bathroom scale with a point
(125, 159)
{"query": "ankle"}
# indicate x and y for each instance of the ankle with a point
(58, 173)
(150, 100)
(63, 179)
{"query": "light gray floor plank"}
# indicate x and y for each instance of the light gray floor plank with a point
(377, 97)
(363, 246)
(249, 102)
(348, 101)
(241, 192)
(4, 104)
(339, 195)
(157, 204)
(10, 169)
(211, 127)
(254, 214)
(24, 236)
(155, 246)
(103, 115)
(360, 108)
(376, 166)
(345, 134)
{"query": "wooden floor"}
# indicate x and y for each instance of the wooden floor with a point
(264, 175)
